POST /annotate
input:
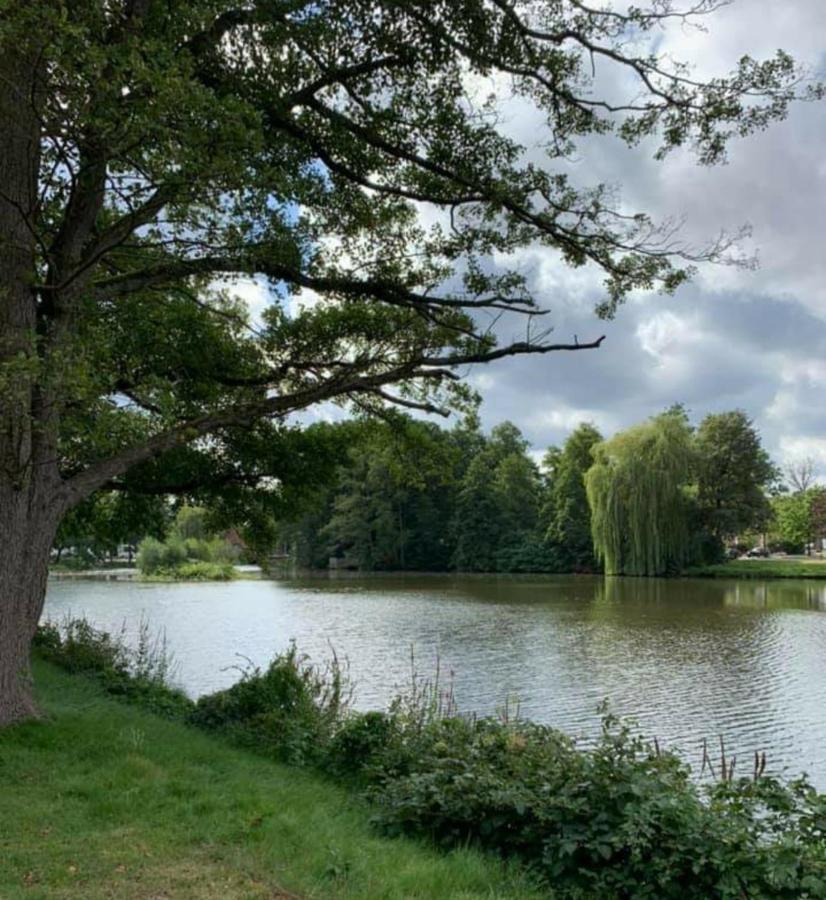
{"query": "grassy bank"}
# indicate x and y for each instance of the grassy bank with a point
(761, 568)
(105, 800)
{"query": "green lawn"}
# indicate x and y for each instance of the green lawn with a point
(105, 800)
(762, 568)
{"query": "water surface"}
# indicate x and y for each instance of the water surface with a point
(687, 658)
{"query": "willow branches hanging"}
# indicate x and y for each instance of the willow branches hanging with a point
(636, 490)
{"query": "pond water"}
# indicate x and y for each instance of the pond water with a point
(687, 659)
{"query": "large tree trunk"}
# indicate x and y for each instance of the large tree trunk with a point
(28, 524)
(29, 501)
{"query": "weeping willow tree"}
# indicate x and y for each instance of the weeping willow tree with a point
(637, 494)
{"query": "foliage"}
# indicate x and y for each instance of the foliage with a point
(200, 819)
(798, 519)
(189, 552)
(761, 568)
(141, 673)
(288, 711)
(637, 493)
(98, 526)
(793, 521)
(362, 742)
(620, 820)
(409, 495)
(495, 518)
(733, 472)
(566, 513)
(532, 554)
(197, 570)
(477, 532)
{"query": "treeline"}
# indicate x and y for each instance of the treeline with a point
(651, 500)
(405, 494)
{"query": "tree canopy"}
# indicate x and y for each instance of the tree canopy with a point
(153, 153)
(637, 494)
(733, 474)
(567, 512)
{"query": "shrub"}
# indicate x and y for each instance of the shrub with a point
(621, 820)
(289, 711)
(195, 571)
(186, 559)
(155, 556)
(531, 555)
(140, 674)
(363, 742)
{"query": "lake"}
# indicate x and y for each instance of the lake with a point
(687, 659)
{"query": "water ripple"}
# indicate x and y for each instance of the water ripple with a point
(686, 659)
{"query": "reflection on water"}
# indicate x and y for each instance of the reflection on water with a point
(687, 658)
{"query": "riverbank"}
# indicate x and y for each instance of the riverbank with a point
(760, 568)
(102, 799)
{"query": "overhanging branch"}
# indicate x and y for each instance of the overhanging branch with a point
(341, 385)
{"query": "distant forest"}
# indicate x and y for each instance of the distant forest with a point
(401, 494)
(653, 499)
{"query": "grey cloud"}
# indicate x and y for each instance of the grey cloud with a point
(755, 340)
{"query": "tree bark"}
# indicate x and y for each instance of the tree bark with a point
(30, 503)
(28, 524)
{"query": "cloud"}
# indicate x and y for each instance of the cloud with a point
(733, 338)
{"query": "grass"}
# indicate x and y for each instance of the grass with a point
(104, 800)
(761, 568)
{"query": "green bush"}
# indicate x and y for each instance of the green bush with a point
(362, 742)
(289, 711)
(531, 555)
(187, 559)
(621, 820)
(140, 674)
(195, 571)
(155, 556)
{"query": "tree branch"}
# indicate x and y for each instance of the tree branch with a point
(79, 486)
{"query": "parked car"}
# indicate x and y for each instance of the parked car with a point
(757, 552)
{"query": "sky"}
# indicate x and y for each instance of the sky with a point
(732, 338)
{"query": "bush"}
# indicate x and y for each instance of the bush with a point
(195, 571)
(363, 742)
(186, 559)
(155, 556)
(621, 820)
(140, 674)
(289, 711)
(531, 555)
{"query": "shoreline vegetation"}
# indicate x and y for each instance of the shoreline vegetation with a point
(761, 568)
(107, 800)
(620, 818)
(810, 569)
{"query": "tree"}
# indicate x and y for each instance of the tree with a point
(733, 474)
(793, 520)
(100, 524)
(153, 153)
(567, 515)
(367, 518)
(476, 528)
(800, 519)
(801, 474)
(391, 501)
(517, 485)
(637, 494)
